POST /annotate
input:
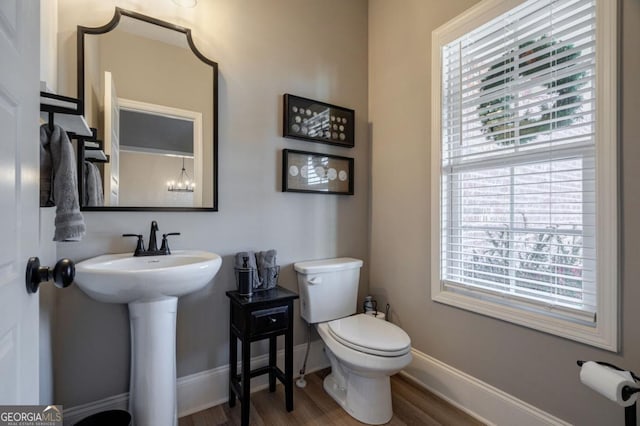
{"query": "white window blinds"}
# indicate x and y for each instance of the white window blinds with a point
(518, 159)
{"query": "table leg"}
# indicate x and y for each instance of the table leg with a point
(246, 381)
(288, 362)
(233, 367)
(273, 345)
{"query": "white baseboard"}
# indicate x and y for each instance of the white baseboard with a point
(486, 403)
(206, 389)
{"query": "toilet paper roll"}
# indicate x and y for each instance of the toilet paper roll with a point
(608, 382)
(378, 315)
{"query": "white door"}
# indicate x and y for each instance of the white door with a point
(19, 199)
(111, 142)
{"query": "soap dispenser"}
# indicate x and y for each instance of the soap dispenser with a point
(244, 278)
(369, 305)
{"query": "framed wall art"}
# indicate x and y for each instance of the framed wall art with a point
(318, 173)
(317, 121)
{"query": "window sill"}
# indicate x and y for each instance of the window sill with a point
(594, 335)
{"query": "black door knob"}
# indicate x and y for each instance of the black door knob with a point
(62, 274)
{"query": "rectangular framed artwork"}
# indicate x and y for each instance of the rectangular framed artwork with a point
(316, 173)
(317, 121)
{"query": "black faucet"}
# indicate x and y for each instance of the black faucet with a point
(153, 243)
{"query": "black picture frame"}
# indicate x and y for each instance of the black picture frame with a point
(313, 172)
(316, 121)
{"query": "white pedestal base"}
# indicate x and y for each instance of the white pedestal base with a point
(152, 393)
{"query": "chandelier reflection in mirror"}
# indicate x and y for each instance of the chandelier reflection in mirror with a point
(184, 182)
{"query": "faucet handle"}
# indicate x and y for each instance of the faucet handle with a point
(139, 246)
(165, 242)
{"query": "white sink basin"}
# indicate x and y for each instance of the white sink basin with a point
(122, 278)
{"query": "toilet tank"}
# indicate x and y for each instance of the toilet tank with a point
(328, 288)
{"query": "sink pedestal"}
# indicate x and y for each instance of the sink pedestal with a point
(152, 393)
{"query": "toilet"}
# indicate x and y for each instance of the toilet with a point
(364, 351)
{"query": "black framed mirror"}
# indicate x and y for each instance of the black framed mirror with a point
(153, 96)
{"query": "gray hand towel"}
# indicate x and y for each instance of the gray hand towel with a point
(59, 183)
(267, 268)
(93, 195)
(266, 259)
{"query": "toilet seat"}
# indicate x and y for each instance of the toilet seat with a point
(369, 335)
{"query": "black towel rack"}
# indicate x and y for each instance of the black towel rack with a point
(69, 110)
(66, 112)
(97, 149)
(82, 149)
(81, 152)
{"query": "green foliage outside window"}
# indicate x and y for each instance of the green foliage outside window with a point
(499, 120)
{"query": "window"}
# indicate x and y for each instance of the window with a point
(524, 165)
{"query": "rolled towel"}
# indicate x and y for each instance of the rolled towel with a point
(251, 260)
(266, 259)
(267, 268)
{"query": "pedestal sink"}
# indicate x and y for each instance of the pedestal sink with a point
(150, 285)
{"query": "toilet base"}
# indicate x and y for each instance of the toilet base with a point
(367, 399)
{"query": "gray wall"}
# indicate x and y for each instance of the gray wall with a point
(535, 367)
(264, 49)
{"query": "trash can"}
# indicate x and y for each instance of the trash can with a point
(107, 418)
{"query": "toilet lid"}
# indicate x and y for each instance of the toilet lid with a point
(367, 334)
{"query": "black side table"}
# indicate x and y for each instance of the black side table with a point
(265, 315)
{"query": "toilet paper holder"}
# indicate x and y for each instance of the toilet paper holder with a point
(627, 392)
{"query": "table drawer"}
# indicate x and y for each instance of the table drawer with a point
(269, 320)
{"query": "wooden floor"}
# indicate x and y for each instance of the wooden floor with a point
(412, 405)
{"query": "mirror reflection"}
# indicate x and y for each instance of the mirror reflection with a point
(152, 97)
